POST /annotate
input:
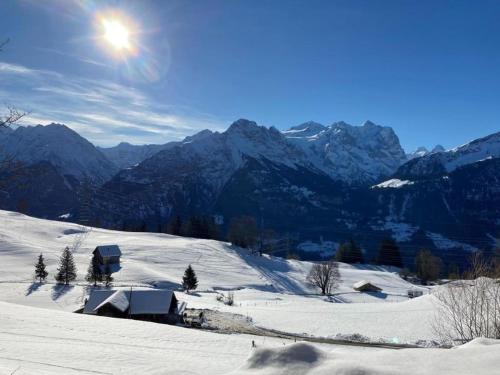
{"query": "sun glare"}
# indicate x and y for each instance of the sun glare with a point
(116, 34)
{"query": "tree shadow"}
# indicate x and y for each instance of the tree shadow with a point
(33, 287)
(336, 299)
(60, 290)
(165, 284)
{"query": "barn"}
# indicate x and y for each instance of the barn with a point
(366, 286)
(159, 306)
(108, 256)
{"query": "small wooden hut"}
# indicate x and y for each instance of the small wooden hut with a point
(366, 286)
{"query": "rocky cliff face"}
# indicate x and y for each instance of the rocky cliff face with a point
(352, 154)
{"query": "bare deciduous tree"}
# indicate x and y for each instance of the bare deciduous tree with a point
(12, 116)
(8, 166)
(325, 276)
(469, 308)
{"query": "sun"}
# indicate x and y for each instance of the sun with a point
(116, 34)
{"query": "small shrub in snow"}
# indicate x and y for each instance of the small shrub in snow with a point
(469, 308)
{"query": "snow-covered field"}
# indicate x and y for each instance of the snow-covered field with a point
(39, 334)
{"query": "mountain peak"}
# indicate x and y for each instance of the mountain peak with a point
(200, 135)
(65, 149)
(369, 124)
(438, 148)
(242, 124)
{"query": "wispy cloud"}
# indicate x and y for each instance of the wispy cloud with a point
(103, 111)
(72, 56)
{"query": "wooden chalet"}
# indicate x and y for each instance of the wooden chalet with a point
(108, 256)
(366, 286)
(159, 306)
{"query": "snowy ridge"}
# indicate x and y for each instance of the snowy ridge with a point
(445, 162)
(423, 151)
(67, 151)
(125, 155)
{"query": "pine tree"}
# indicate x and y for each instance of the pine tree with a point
(175, 226)
(427, 266)
(243, 231)
(40, 272)
(189, 280)
(94, 273)
(389, 254)
(108, 278)
(66, 271)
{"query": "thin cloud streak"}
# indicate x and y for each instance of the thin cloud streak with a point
(105, 112)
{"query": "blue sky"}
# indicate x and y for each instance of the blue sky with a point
(429, 69)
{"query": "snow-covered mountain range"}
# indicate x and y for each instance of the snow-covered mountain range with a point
(440, 163)
(312, 180)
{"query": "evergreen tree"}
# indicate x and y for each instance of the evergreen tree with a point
(453, 271)
(389, 254)
(427, 266)
(108, 278)
(175, 226)
(189, 280)
(94, 273)
(40, 272)
(349, 252)
(66, 271)
(243, 231)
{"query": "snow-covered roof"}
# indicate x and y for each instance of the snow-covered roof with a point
(363, 283)
(151, 301)
(118, 299)
(109, 250)
(142, 301)
(95, 299)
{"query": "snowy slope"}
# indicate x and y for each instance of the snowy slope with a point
(272, 291)
(40, 341)
(477, 357)
(354, 154)
(70, 153)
